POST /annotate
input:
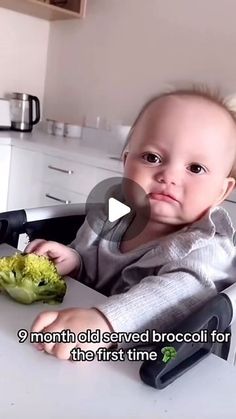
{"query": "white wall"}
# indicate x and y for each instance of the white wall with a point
(125, 51)
(23, 53)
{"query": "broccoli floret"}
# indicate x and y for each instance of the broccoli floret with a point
(29, 278)
(169, 353)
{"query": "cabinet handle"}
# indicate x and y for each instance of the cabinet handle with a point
(57, 199)
(69, 172)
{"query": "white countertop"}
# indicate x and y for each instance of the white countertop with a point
(36, 385)
(81, 150)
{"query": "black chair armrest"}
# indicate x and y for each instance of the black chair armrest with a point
(58, 223)
(216, 315)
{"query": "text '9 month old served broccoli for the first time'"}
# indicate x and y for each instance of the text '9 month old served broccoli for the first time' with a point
(29, 278)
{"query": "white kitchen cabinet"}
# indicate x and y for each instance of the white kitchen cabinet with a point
(39, 179)
(51, 194)
(25, 179)
(5, 160)
(72, 175)
(48, 9)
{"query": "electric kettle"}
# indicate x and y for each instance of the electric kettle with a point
(22, 110)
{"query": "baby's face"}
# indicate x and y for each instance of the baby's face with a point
(183, 147)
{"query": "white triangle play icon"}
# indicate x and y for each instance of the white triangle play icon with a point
(116, 209)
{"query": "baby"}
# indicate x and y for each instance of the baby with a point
(181, 151)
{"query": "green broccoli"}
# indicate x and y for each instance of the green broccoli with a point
(29, 278)
(169, 353)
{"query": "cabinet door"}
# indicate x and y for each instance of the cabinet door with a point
(5, 159)
(77, 6)
(48, 9)
(73, 176)
(25, 179)
(54, 195)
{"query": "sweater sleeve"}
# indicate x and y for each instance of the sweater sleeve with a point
(86, 245)
(181, 287)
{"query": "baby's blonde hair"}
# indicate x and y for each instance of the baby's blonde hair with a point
(201, 91)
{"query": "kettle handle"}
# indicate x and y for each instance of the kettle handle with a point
(37, 109)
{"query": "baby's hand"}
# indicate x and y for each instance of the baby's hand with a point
(66, 260)
(76, 320)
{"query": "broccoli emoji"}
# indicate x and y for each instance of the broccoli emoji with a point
(169, 353)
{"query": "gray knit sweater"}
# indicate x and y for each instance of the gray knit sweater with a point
(158, 285)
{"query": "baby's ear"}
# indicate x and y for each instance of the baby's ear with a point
(124, 157)
(229, 186)
(232, 185)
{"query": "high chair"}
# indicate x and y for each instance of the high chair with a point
(60, 223)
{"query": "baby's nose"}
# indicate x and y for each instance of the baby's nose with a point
(168, 176)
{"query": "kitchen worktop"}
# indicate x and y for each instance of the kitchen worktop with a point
(84, 150)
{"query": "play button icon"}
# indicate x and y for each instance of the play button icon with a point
(112, 206)
(116, 209)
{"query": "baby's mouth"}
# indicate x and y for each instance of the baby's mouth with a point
(162, 197)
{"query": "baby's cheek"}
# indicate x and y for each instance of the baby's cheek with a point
(193, 210)
(132, 172)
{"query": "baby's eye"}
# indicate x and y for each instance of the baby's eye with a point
(151, 158)
(197, 168)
